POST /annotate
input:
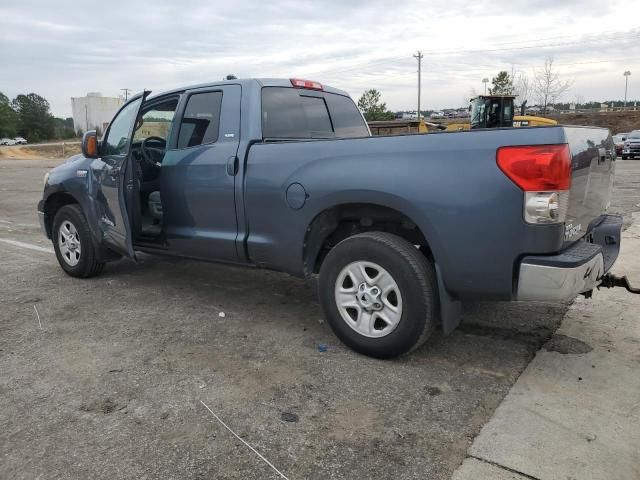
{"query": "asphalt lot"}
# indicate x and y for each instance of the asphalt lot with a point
(111, 384)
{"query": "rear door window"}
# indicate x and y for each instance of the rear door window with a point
(201, 120)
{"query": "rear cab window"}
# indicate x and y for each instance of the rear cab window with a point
(293, 113)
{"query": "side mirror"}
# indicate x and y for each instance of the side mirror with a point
(90, 144)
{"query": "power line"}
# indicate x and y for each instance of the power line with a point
(630, 34)
(580, 41)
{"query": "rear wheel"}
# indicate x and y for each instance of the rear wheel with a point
(379, 294)
(72, 243)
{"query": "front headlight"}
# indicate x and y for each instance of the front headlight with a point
(45, 179)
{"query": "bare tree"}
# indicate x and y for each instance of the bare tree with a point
(547, 84)
(521, 87)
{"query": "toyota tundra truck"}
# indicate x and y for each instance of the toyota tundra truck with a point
(284, 175)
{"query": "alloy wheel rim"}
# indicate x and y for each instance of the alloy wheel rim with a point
(368, 299)
(69, 243)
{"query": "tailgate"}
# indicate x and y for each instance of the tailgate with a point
(592, 165)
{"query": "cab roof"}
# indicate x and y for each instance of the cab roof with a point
(247, 83)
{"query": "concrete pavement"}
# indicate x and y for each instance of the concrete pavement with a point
(576, 414)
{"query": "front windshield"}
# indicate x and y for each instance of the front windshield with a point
(477, 112)
(635, 135)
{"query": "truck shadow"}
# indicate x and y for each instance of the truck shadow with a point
(256, 292)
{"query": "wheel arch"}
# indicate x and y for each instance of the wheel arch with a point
(53, 203)
(339, 221)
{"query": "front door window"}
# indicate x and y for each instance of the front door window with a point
(117, 141)
(156, 121)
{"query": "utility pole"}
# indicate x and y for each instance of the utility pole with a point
(419, 57)
(626, 84)
(485, 81)
(511, 82)
(126, 93)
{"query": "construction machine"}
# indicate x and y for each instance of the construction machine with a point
(497, 111)
(486, 111)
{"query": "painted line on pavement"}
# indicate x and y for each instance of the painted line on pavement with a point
(28, 246)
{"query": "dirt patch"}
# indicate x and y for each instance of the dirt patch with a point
(615, 121)
(39, 152)
(564, 344)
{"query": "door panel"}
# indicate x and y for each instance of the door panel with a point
(197, 180)
(112, 173)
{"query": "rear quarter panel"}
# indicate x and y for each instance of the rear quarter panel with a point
(447, 183)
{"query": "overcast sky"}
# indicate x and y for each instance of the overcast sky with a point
(61, 49)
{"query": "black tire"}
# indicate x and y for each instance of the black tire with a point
(415, 277)
(624, 157)
(88, 265)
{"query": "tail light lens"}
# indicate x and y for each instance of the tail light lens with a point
(543, 172)
(537, 168)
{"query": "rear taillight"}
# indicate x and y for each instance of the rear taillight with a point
(537, 167)
(309, 84)
(543, 172)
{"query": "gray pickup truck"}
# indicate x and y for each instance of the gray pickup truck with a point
(284, 175)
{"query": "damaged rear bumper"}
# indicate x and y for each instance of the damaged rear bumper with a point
(576, 270)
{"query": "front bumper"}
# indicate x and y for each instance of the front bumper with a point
(576, 270)
(632, 150)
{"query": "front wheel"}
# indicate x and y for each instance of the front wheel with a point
(72, 243)
(379, 294)
(624, 157)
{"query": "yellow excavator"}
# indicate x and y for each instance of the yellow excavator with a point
(486, 111)
(497, 111)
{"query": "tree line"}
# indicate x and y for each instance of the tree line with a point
(29, 116)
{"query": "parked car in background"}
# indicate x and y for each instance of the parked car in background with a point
(631, 146)
(20, 141)
(618, 141)
(7, 141)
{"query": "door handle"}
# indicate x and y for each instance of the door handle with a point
(232, 166)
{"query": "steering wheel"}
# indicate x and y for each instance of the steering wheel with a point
(151, 154)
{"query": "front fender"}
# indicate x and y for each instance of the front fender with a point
(71, 179)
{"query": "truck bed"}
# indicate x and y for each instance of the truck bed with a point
(447, 183)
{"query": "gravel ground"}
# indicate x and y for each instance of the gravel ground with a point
(108, 381)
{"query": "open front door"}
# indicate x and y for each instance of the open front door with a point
(114, 173)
